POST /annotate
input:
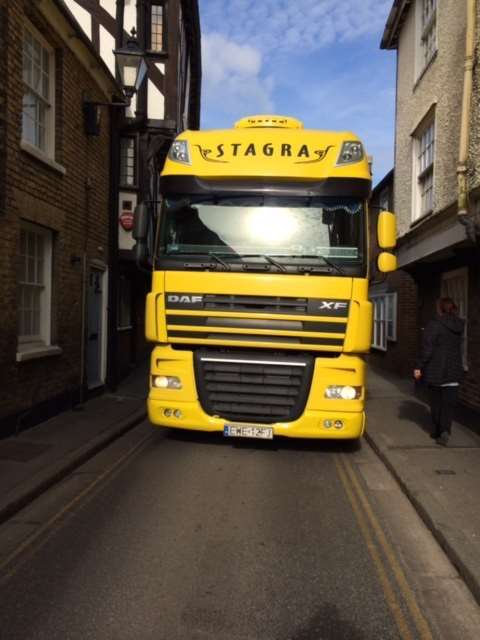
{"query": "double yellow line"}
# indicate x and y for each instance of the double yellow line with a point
(383, 557)
(10, 565)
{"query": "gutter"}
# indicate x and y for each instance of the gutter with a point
(464, 216)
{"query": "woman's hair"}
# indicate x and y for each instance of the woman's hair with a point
(446, 306)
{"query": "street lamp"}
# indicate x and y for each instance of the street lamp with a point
(131, 69)
(131, 65)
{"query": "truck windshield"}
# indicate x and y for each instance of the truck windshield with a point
(283, 228)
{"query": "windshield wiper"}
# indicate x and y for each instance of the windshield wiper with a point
(328, 262)
(266, 257)
(216, 257)
(200, 265)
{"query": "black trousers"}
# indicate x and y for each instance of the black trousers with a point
(442, 403)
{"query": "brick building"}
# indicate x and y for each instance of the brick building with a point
(394, 298)
(437, 155)
(54, 208)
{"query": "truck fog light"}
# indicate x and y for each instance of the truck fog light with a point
(167, 382)
(178, 414)
(167, 413)
(338, 424)
(327, 424)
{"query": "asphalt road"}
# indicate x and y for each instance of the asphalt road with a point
(177, 536)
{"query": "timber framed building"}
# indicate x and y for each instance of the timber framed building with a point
(168, 31)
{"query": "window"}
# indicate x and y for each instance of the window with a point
(384, 200)
(384, 319)
(34, 285)
(455, 286)
(428, 39)
(37, 110)
(157, 16)
(425, 154)
(128, 177)
(124, 303)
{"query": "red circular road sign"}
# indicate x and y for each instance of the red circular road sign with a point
(126, 220)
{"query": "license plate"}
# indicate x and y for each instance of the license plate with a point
(247, 431)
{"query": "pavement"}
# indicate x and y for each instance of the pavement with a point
(443, 483)
(34, 460)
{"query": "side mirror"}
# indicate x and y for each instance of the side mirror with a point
(386, 262)
(140, 235)
(386, 230)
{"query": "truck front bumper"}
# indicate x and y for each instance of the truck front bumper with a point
(312, 424)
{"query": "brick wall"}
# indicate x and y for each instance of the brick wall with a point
(74, 206)
(401, 354)
(3, 106)
(470, 389)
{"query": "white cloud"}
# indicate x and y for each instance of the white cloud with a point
(232, 81)
(302, 26)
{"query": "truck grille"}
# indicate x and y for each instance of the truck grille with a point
(253, 387)
(309, 323)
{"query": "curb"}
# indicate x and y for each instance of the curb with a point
(53, 474)
(460, 563)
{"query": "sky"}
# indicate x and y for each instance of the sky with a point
(317, 60)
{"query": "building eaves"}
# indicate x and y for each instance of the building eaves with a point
(386, 180)
(80, 44)
(394, 24)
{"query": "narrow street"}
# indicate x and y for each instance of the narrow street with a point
(183, 536)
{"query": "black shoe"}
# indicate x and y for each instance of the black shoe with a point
(434, 436)
(443, 439)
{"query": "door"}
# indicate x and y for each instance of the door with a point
(95, 328)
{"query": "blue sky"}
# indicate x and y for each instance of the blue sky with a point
(317, 60)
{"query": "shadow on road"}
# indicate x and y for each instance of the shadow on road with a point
(328, 624)
(279, 443)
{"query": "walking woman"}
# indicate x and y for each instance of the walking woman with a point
(440, 366)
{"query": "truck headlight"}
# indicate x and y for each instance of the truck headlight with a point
(166, 382)
(352, 151)
(180, 152)
(343, 392)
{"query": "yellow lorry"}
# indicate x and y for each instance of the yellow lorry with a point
(259, 305)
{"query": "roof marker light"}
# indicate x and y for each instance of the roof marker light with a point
(180, 152)
(352, 151)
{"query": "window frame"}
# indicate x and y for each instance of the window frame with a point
(426, 42)
(388, 319)
(428, 29)
(134, 184)
(462, 276)
(43, 337)
(163, 4)
(424, 149)
(48, 149)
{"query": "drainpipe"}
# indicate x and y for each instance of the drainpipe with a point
(464, 217)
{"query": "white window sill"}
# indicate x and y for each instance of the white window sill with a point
(40, 155)
(34, 352)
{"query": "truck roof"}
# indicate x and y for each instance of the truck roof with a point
(266, 146)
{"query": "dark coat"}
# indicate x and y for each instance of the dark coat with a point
(441, 358)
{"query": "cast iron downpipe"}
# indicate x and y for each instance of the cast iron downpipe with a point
(465, 217)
